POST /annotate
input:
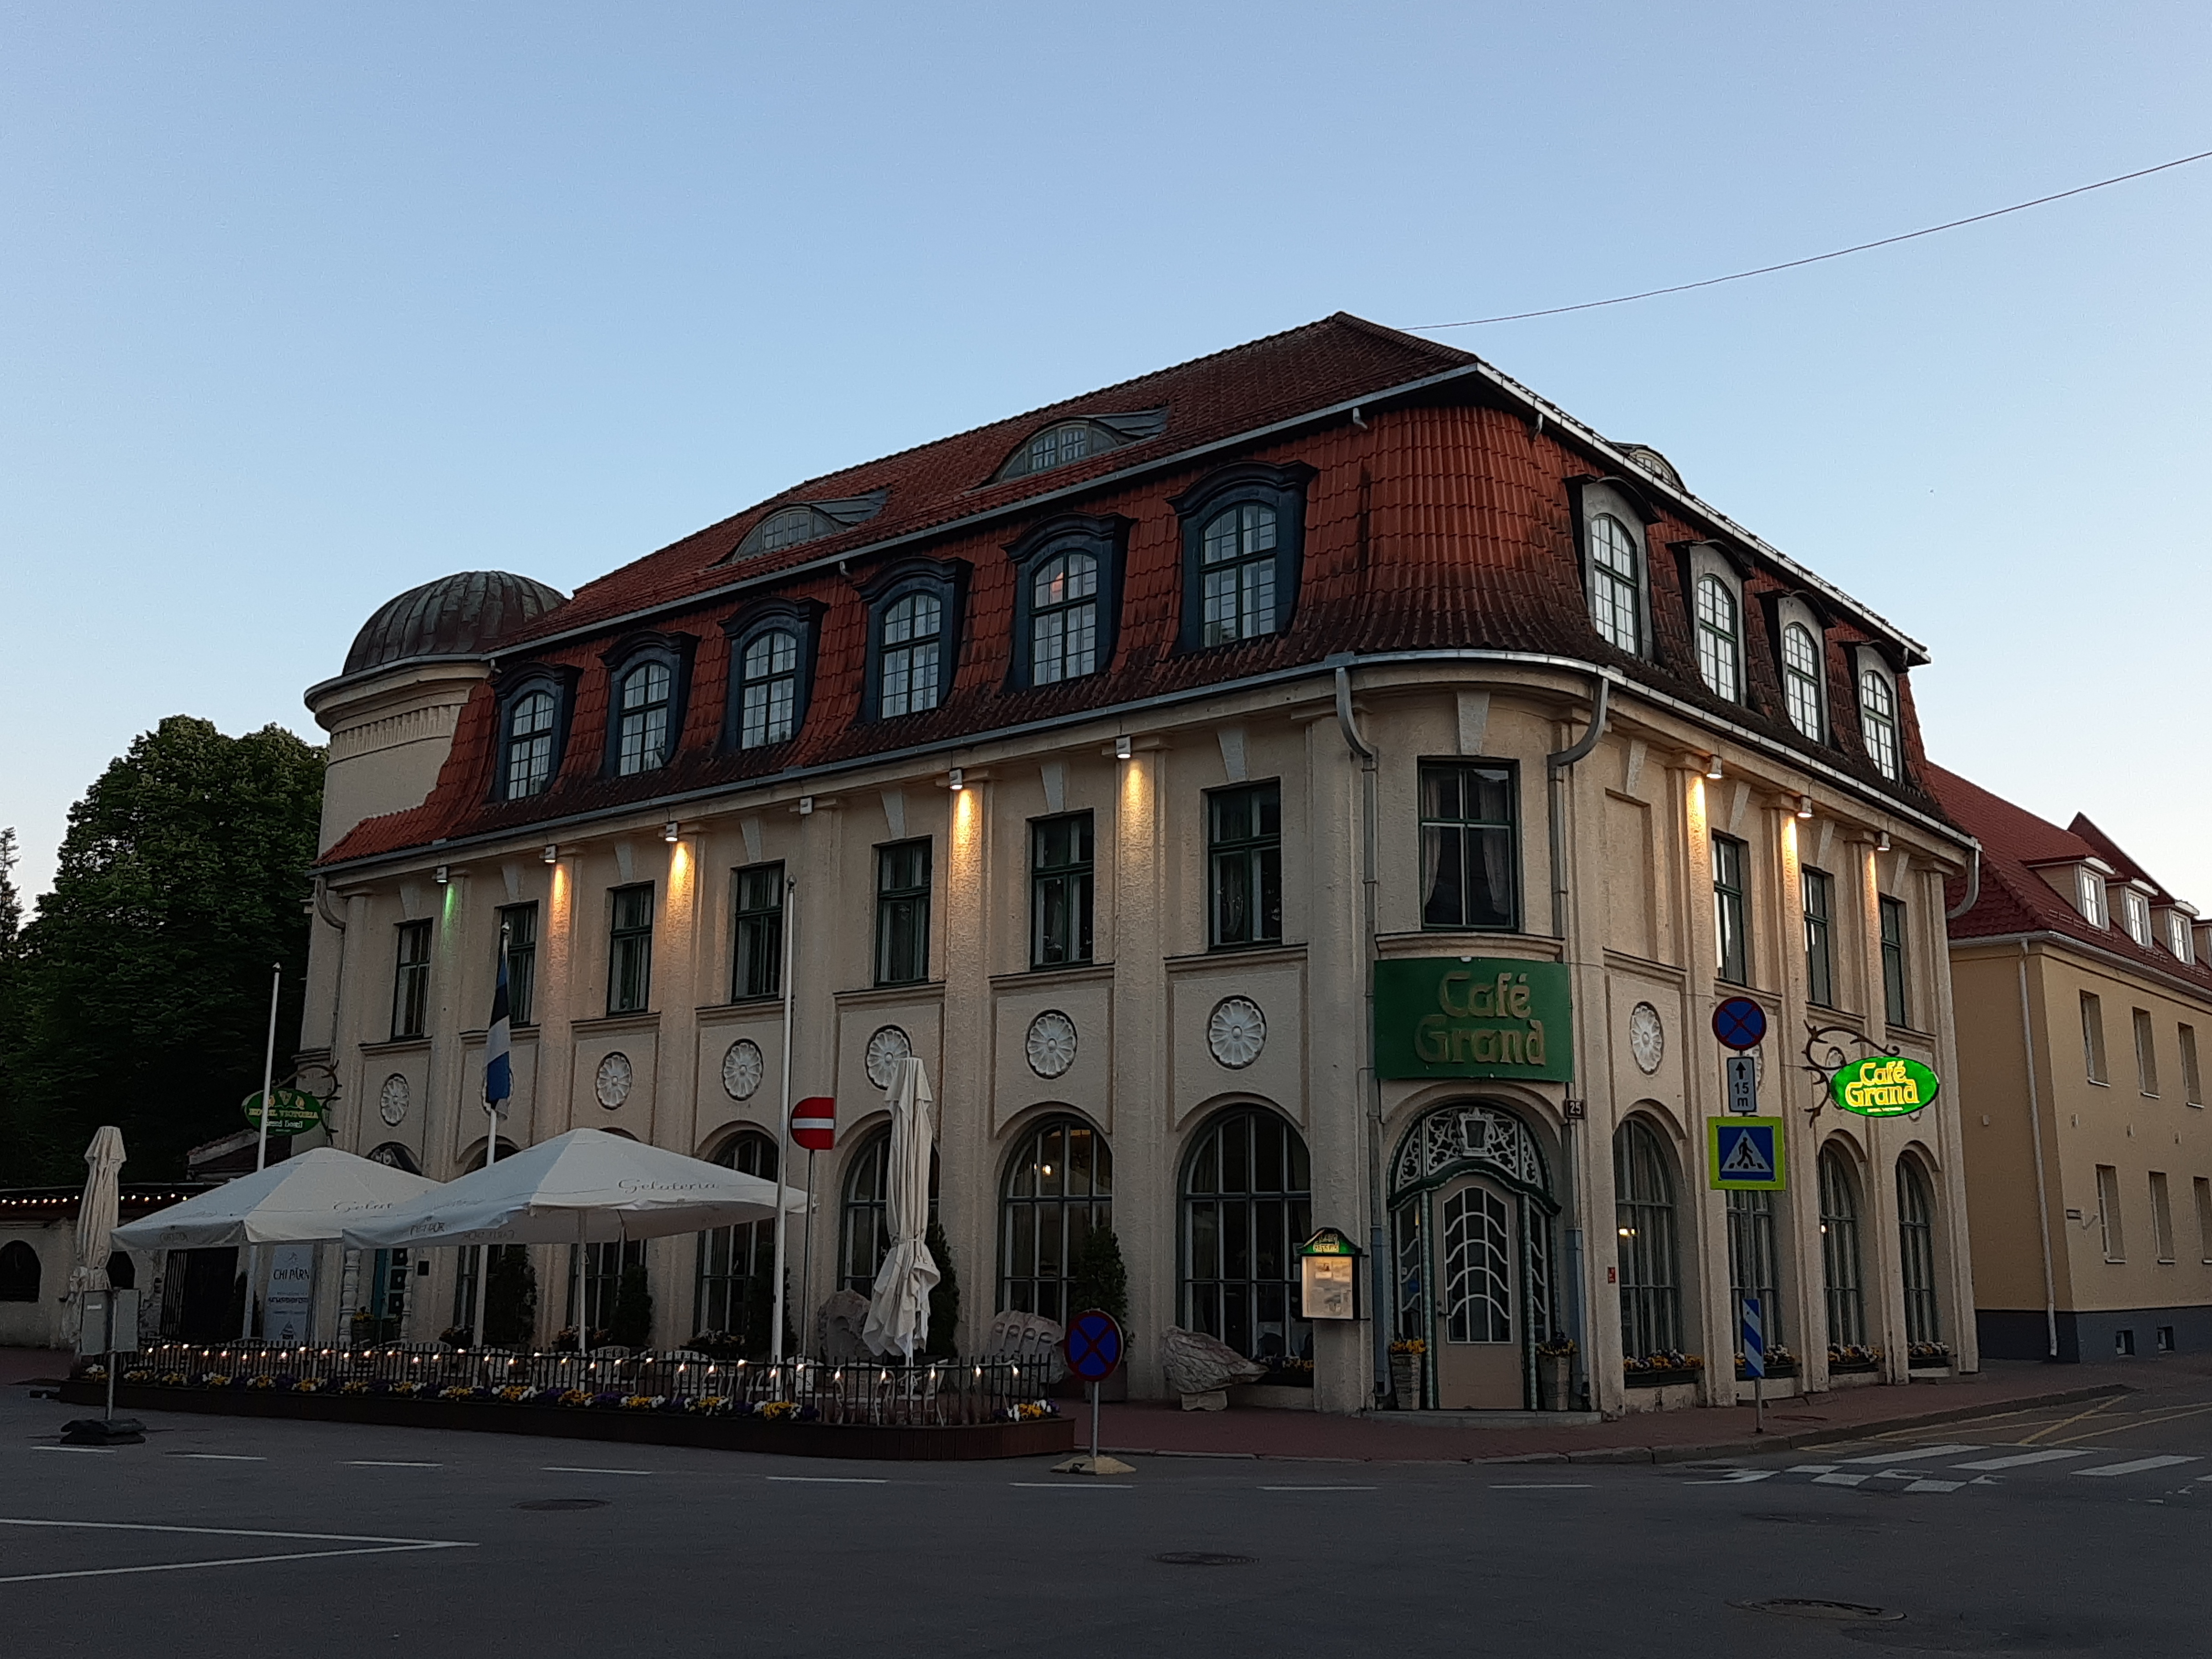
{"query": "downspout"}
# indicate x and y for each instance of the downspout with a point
(1555, 767)
(349, 1260)
(1973, 888)
(1379, 1298)
(2035, 1128)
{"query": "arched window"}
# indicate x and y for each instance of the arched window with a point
(642, 732)
(866, 1235)
(19, 1272)
(1801, 680)
(910, 655)
(393, 1156)
(767, 690)
(736, 1284)
(1915, 1238)
(1840, 1250)
(1236, 573)
(1651, 1273)
(1755, 1261)
(1057, 446)
(529, 744)
(1063, 617)
(1878, 720)
(1059, 1186)
(1720, 643)
(787, 529)
(1247, 1207)
(1615, 583)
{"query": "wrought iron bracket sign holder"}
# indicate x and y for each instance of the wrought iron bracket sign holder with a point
(1826, 1055)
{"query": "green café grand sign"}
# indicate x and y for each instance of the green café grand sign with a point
(1883, 1086)
(1473, 1016)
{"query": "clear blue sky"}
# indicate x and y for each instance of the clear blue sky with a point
(302, 306)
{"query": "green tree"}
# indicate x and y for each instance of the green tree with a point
(1097, 1277)
(631, 1323)
(144, 979)
(14, 1131)
(511, 1301)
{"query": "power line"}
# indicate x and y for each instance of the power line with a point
(1791, 264)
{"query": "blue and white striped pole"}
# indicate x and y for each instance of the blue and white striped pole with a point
(1755, 1361)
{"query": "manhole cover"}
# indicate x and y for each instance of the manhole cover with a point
(1204, 1558)
(1796, 1606)
(564, 1504)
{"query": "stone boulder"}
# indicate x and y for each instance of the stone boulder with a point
(1202, 1369)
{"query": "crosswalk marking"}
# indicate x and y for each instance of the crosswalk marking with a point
(1913, 1457)
(2136, 1467)
(1841, 1480)
(1934, 1486)
(2020, 1460)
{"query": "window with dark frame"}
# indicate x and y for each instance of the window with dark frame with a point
(1645, 1222)
(1896, 978)
(756, 938)
(1819, 938)
(529, 744)
(1469, 860)
(410, 981)
(903, 913)
(1915, 1237)
(519, 928)
(641, 729)
(1244, 861)
(1061, 873)
(2145, 1054)
(1720, 643)
(1058, 1190)
(911, 652)
(1732, 910)
(1236, 573)
(1063, 616)
(768, 688)
(734, 1282)
(2093, 1037)
(629, 949)
(1844, 1283)
(1755, 1260)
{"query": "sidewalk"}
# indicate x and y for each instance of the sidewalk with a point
(1163, 1429)
(22, 1364)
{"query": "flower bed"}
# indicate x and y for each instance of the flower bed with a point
(1846, 1359)
(1929, 1356)
(1658, 1370)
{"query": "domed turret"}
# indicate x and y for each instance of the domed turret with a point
(392, 711)
(454, 616)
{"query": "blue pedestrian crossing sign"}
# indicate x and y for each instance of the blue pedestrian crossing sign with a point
(1746, 1154)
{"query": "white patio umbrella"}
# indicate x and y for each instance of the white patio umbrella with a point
(586, 1187)
(303, 1200)
(96, 1214)
(898, 1311)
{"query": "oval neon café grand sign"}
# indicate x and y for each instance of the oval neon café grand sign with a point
(1884, 1087)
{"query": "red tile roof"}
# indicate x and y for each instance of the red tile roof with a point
(2014, 898)
(1443, 520)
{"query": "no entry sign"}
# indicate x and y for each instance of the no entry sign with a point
(814, 1123)
(1093, 1343)
(1739, 1023)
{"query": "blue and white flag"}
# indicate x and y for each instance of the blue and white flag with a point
(499, 1071)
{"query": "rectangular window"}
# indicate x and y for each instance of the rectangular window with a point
(629, 949)
(2089, 890)
(2177, 935)
(2145, 1054)
(2093, 1037)
(2192, 1080)
(1819, 938)
(757, 941)
(2108, 1212)
(1469, 857)
(2162, 1217)
(903, 913)
(2204, 1218)
(1895, 1007)
(410, 983)
(1060, 890)
(1244, 860)
(1732, 909)
(518, 925)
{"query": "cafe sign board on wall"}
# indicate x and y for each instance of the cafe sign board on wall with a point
(1883, 1086)
(1473, 1016)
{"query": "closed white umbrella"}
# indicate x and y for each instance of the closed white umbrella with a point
(302, 1200)
(96, 1213)
(898, 1312)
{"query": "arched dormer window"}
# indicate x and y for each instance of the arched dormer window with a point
(648, 679)
(1878, 717)
(914, 637)
(1610, 516)
(771, 674)
(1802, 681)
(1243, 539)
(808, 520)
(533, 730)
(1067, 599)
(1720, 638)
(1066, 442)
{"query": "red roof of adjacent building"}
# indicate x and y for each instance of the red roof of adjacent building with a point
(2014, 898)
(1440, 519)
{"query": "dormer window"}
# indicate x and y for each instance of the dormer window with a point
(2135, 915)
(1801, 681)
(2177, 935)
(1615, 583)
(1720, 640)
(913, 636)
(1066, 442)
(1057, 446)
(642, 728)
(529, 744)
(787, 529)
(648, 677)
(2089, 897)
(1610, 516)
(1066, 598)
(1878, 720)
(1244, 534)
(807, 520)
(1237, 568)
(771, 672)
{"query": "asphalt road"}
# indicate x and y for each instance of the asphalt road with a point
(220, 1536)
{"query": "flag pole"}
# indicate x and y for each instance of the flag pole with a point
(261, 1141)
(497, 1086)
(783, 1132)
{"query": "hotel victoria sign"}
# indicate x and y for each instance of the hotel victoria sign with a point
(1473, 1016)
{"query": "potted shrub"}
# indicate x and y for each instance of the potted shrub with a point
(1555, 1367)
(1407, 1357)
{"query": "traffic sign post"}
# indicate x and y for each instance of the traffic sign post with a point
(1755, 1361)
(814, 1126)
(1739, 1023)
(1746, 1154)
(1742, 1083)
(1092, 1344)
